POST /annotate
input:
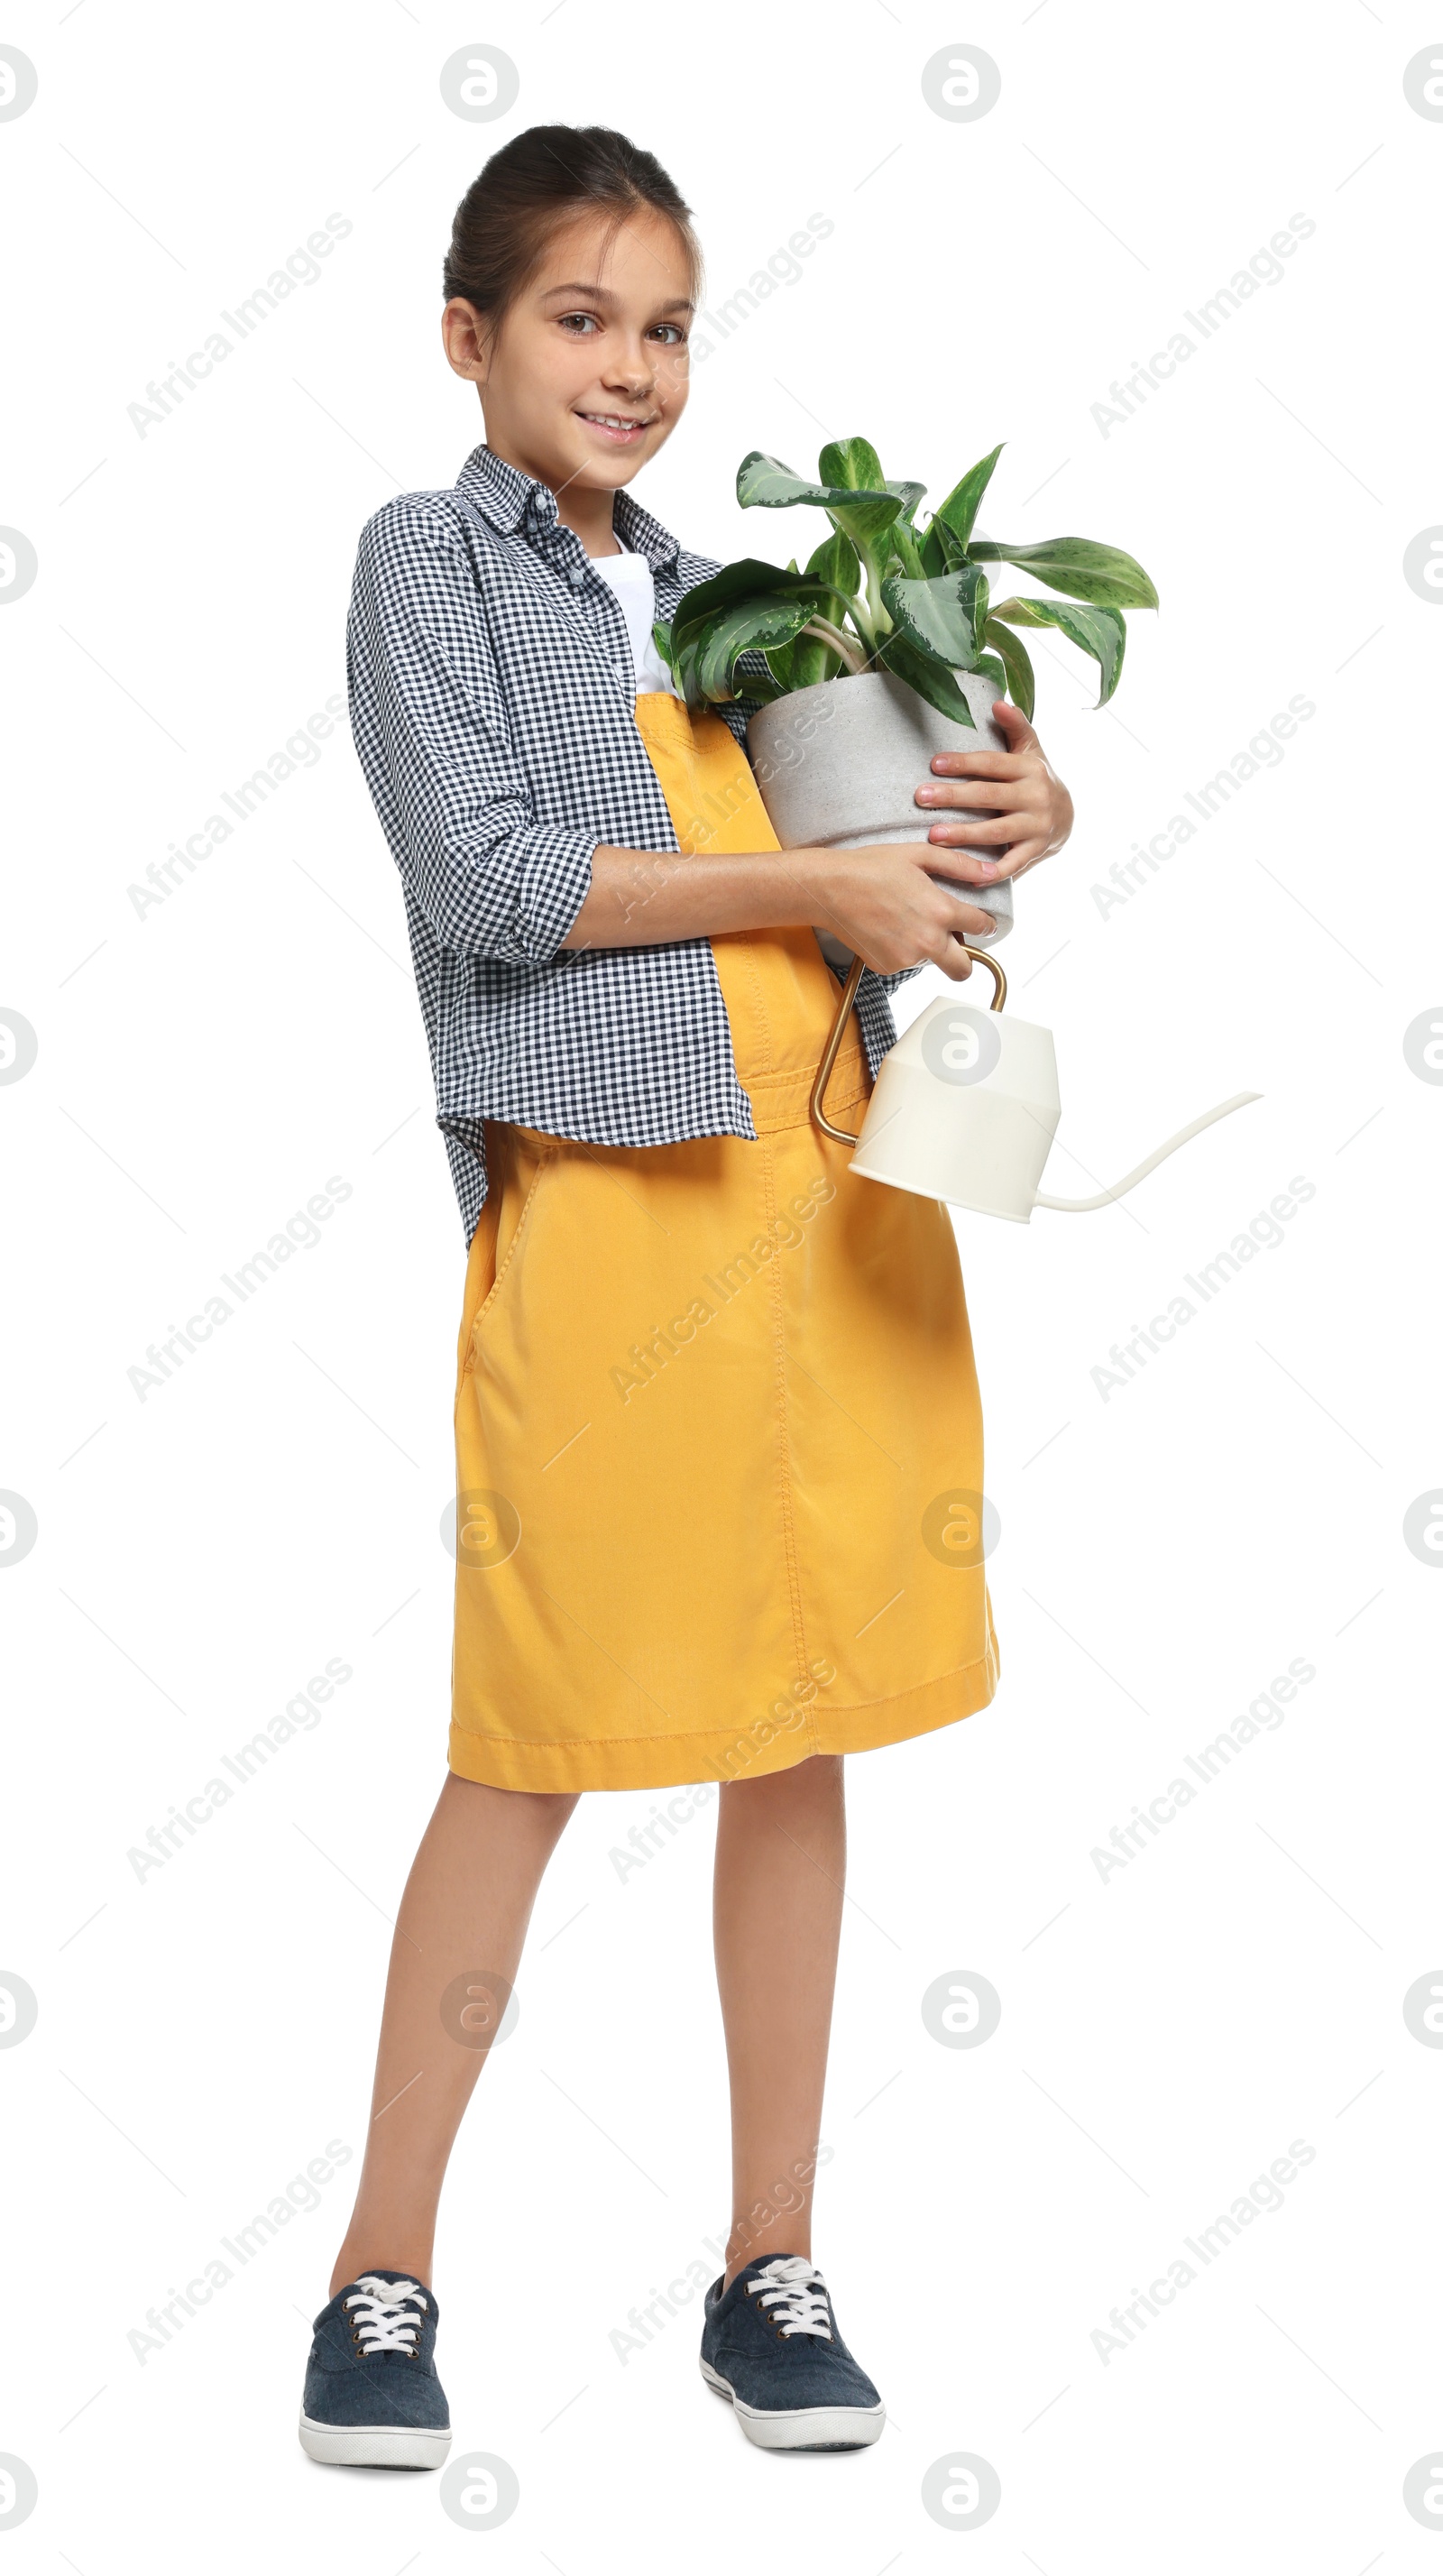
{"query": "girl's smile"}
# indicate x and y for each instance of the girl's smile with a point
(616, 428)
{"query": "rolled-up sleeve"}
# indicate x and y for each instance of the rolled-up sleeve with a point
(492, 878)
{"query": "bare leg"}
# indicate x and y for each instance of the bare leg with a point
(466, 1907)
(781, 1856)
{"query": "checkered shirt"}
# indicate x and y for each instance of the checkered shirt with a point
(492, 705)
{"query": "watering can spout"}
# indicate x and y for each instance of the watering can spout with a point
(1184, 1136)
(966, 1105)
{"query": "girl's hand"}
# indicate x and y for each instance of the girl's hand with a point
(883, 904)
(1033, 808)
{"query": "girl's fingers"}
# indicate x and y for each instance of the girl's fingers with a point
(1022, 856)
(957, 864)
(979, 764)
(1006, 827)
(1011, 721)
(983, 872)
(962, 869)
(1009, 792)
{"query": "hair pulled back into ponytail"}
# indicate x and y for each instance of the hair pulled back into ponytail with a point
(540, 180)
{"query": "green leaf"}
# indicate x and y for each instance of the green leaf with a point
(836, 563)
(1103, 575)
(683, 658)
(759, 687)
(940, 549)
(684, 673)
(925, 676)
(852, 465)
(748, 579)
(903, 553)
(864, 519)
(743, 626)
(764, 483)
(1099, 632)
(991, 669)
(803, 664)
(1020, 684)
(959, 511)
(942, 619)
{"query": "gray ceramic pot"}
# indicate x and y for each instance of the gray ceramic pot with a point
(838, 766)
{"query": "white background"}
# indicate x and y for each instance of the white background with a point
(206, 1068)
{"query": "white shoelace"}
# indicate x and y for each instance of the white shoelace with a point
(381, 2319)
(784, 2288)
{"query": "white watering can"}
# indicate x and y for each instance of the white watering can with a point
(966, 1105)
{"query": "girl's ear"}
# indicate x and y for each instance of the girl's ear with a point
(465, 340)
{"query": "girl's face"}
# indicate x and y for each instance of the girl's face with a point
(587, 376)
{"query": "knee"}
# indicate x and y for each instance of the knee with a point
(543, 1813)
(817, 1780)
(547, 1812)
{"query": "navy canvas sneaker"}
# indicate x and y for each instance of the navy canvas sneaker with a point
(772, 2345)
(372, 2398)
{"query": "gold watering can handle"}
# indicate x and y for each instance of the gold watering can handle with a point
(979, 956)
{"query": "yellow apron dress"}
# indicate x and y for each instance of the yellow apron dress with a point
(718, 1435)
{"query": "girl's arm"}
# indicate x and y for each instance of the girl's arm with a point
(430, 721)
(496, 882)
(880, 900)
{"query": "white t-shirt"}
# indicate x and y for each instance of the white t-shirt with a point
(630, 576)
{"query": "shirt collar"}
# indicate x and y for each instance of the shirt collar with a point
(516, 503)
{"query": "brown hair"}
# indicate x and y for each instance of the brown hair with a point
(538, 181)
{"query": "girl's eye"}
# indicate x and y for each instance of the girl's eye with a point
(581, 326)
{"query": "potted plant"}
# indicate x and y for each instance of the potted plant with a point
(905, 617)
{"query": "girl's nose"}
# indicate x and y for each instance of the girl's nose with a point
(636, 370)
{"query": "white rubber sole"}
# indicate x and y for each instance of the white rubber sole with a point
(373, 2446)
(802, 2428)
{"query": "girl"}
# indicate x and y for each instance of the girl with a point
(715, 1397)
